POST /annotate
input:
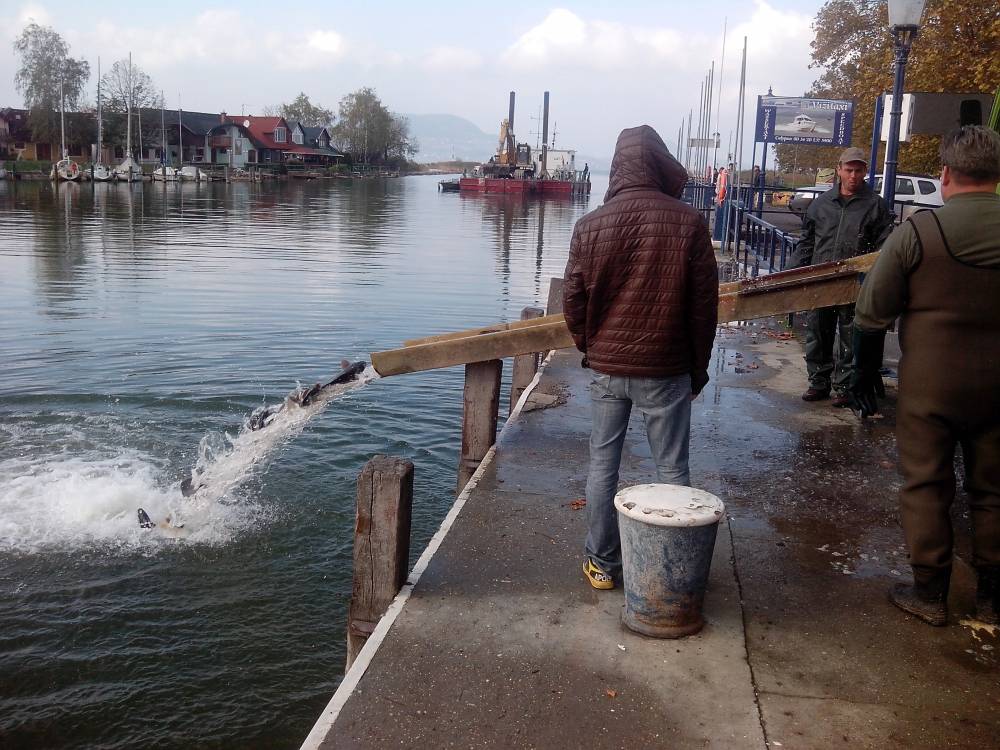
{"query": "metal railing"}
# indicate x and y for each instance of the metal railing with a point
(753, 240)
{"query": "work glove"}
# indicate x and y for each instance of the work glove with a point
(699, 379)
(866, 385)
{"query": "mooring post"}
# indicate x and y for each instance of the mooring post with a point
(525, 365)
(480, 407)
(381, 545)
(554, 304)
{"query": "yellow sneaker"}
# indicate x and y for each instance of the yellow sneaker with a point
(597, 577)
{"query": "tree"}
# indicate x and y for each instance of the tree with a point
(126, 87)
(369, 132)
(304, 111)
(45, 64)
(954, 51)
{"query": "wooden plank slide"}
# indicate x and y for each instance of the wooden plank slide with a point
(806, 288)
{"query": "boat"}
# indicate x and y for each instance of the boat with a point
(129, 170)
(450, 186)
(99, 171)
(515, 168)
(803, 124)
(164, 173)
(192, 173)
(65, 169)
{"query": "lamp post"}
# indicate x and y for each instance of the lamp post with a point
(904, 22)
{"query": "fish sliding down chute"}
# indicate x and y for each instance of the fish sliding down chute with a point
(221, 467)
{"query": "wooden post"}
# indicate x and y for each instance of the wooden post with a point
(525, 365)
(480, 406)
(555, 301)
(381, 545)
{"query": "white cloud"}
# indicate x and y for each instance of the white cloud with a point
(452, 58)
(216, 36)
(33, 12)
(564, 39)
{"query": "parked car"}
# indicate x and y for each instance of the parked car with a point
(923, 191)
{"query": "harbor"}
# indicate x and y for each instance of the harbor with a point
(536, 380)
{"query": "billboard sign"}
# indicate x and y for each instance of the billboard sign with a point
(816, 122)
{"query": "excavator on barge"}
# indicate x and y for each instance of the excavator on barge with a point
(517, 168)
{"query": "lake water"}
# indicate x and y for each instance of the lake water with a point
(139, 326)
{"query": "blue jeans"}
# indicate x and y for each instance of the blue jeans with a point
(665, 405)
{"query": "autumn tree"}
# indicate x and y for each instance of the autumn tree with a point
(369, 132)
(955, 51)
(45, 66)
(302, 110)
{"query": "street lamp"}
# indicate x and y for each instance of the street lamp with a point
(904, 21)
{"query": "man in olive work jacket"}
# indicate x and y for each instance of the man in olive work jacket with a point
(641, 296)
(849, 219)
(940, 271)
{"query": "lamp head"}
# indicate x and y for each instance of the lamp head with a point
(906, 13)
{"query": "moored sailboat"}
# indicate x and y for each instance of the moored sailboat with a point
(64, 169)
(164, 173)
(129, 170)
(99, 171)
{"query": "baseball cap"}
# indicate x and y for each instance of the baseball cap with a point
(854, 154)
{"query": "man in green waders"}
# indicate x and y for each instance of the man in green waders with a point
(940, 271)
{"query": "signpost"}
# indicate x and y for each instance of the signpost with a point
(816, 122)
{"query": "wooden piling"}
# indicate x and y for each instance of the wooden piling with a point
(480, 406)
(525, 365)
(555, 302)
(381, 545)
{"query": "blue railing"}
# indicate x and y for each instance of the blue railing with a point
(701, 195)
(752, 240)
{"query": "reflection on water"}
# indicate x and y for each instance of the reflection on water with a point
(135, 320)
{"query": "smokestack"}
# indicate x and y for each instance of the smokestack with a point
(510, 114)
(545, 136)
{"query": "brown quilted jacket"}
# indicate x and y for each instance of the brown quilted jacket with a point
(641, 289)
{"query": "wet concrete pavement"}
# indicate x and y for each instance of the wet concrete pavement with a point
(503, 644)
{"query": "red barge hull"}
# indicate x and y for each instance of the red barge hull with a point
(523, 187)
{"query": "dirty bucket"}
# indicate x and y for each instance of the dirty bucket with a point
(668, 536)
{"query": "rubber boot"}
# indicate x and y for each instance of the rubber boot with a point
(926, 600)
(988, 595)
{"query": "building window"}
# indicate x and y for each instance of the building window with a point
(279, 135)
(297, 137)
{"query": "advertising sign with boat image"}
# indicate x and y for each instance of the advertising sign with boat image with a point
(820, 122)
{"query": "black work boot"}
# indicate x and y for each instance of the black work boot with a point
(925, 600)
(988, 595)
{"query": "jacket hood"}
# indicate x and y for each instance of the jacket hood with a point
(642, 161)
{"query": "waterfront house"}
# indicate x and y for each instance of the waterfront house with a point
(311, 146)
(270, 136)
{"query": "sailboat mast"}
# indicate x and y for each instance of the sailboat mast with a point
(163, 134)
(180, 134)
(100, 127)
(128, 116)
(62, 119)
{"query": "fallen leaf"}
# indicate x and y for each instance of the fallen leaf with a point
(611, 693)
(577, 504)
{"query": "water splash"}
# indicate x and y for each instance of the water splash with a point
(67, 492)
(225, 462)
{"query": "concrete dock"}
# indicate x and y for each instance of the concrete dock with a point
(498, 641)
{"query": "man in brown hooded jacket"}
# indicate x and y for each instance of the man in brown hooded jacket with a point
(641, 296)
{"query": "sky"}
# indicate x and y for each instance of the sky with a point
(607, 65)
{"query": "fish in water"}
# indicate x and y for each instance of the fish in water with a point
(263, 416)
(166, 527)
(299, 398)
